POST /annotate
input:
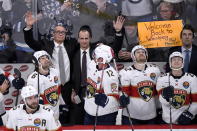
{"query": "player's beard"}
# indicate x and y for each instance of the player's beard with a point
(33, 106)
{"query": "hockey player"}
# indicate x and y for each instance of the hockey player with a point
(49, 84)
(138, 86)
(31, 116)
(102, 90)
(177, 89)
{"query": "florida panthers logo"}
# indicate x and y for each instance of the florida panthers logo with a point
(90, 91)
(179, 98)
(145, 89)
(52, 95)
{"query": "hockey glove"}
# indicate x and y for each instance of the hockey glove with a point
(185, 118)
(168, 93)
(101, 99)
(124, 101)
(18, 83)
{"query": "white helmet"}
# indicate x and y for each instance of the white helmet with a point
(28, 91)
(175, 54)
(137, 47)
(38, 54)
(104, 52)
(173, 1)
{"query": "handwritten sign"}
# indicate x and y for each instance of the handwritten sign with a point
(160, 33)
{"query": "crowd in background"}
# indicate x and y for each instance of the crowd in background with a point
(97, 14)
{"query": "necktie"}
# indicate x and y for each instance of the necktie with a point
(186, 61)
(61, 66)
(84, 69)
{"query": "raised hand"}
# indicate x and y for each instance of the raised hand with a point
(118, 24)
(30, 19)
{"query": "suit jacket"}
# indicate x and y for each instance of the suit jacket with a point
(71, 47)
(193, 59)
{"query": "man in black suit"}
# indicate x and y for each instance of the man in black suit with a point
(79, 75)
(188, 50)
(52, 47)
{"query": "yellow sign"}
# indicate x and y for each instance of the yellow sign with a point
(160, 33)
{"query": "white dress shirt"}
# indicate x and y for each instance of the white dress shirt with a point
(55, 60)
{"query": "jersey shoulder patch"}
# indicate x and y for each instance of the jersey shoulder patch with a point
(34, 75)
(163, 74)
(190, 74)
(128, 68)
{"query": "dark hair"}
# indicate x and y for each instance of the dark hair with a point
(86, 28)
(6, 29)
(187, 27)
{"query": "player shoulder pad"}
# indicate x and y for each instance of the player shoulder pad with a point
(33, 75)
(53, 70)
(191, 75)
(163, 74)
(20, 106)
(128, 68)
(45, 108)
(152, 65)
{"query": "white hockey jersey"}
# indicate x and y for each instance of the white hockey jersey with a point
(43, 119)
(140, 86)
(49, 89)
(185, 98)
(109, 87)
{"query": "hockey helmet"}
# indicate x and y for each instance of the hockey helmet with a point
(137, 47)
(38, 54)
(28, 91)
(105, 52)
(175, 54)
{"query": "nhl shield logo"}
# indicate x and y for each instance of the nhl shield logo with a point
(51, 95)
(179, 98)
(145, 89)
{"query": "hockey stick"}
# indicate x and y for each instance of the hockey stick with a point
(130, 121)
(18, 74)
(170, 101)
(97, 108)
(35, 62)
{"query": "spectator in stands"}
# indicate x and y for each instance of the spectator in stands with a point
(9, 51)
(188, 50)
(130, 39)
(79, 72)
(165, 11)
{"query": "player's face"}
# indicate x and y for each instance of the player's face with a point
(45, 62)
(100, 63)
(32, 101)
(140, 55)
(84, 39)
(176, 62)
(187, 37)
(59, 34)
